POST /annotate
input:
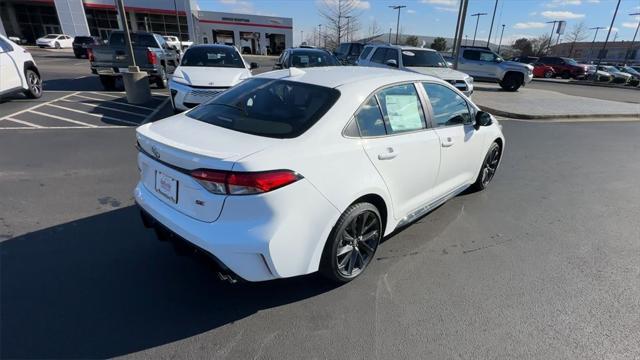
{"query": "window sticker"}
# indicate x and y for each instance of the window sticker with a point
(403, 112)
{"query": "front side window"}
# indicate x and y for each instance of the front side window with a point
(366, 52)
(355, 49)
(487, 56)
(391, 54)
(449, 108)
(268, 107)
(378, 56)
(401, 108)
(369, 119)
(210, 56)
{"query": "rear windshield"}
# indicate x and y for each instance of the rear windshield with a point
(422, 58)
(268, 107)
(146, 40)
(211, 56)
(83, 40)
(312, 58)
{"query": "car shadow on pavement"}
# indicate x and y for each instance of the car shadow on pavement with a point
(88, 83)
(103, 286)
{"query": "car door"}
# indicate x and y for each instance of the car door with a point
(9, 68)
(462, 146)
(471, 64)
(405, 152)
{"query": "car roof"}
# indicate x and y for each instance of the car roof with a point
(212, 46)
(334, 76)
(403, 47)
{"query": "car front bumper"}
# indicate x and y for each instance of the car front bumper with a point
(258, 237)
(185, 97)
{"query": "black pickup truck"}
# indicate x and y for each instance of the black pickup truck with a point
(152, 53)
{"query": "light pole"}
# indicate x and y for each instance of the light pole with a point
(348, 22)
(462, 16)
(301, 37)
(594, 40)
(552, 28)
(477, 15)
(397, 7)
(500, 43)
(604, 47)
(630, 51)
(492, 18)
(319, 35)
(178, 22)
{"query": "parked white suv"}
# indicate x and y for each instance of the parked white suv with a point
(420, 60)
(18, 70)
(295, 171)
(485, 65)
(204, 71)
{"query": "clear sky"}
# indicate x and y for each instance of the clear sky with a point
(523, 18)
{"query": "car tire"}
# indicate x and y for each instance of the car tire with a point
(566, 75)
(34, 83)
(108, 82)
(57, 45)
(489, 167)
(78, 56)
(548, 74)
(511, 82)
(161, 80)
(352, 243)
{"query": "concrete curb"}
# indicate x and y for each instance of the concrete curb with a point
(587, 83)
(558, 116)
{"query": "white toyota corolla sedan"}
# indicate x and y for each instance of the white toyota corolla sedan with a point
(204, 71)
(293, 171)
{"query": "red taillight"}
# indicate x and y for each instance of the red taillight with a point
(152, 58)
(90, 55)
(244, 183)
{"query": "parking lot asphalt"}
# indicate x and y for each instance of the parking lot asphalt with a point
(629, 95)
(541, 265)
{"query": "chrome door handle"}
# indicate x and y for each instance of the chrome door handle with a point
(447, 142)
(390, 154)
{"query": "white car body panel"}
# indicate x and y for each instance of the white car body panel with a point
(61, 39)
(12, 76)
(282, 233)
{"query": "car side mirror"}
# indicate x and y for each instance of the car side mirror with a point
(277, 66)
(253, 66)
(392, 63)
(483, 119)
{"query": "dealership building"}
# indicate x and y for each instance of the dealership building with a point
(31, 19)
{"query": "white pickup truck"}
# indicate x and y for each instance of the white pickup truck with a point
(175, 43)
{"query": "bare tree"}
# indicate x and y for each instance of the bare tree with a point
(341, 17)
(540, 45)
(578, 33)
(374, 29)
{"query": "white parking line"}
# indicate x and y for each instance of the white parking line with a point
(106, 94)
(37, 106)
(22, 122)
(96, 115)
(107, 108)
(63, 118)
(63, 127)
(116, 102)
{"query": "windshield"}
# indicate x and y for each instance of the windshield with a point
(147, 40)
(422, 58)
(51, 36)
(268, 107)
(302, 59)
(210, 56)
(570, 61)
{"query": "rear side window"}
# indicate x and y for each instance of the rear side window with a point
(378, 56)
(391, 54)
(366, 52)
(268, 107)
(369, 119)
(401, 108)
(471, 55)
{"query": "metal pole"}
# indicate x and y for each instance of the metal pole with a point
(319, 35)
(500, 44)
(495, 7)
(389, 35)
(178, 21)
(455, 36)
(477, 15)
(604, 47)
(463, 17)
(397, 7)
(593, 41)
(551, 37)
(127, 36)
(626, 55)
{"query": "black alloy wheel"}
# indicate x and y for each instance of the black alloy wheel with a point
(34, 84)
(353, 243)
(489, 167)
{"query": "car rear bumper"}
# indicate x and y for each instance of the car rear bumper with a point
(258, 237)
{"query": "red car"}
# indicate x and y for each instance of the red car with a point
(542, 70)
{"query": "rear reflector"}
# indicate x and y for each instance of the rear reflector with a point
(244, 183)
